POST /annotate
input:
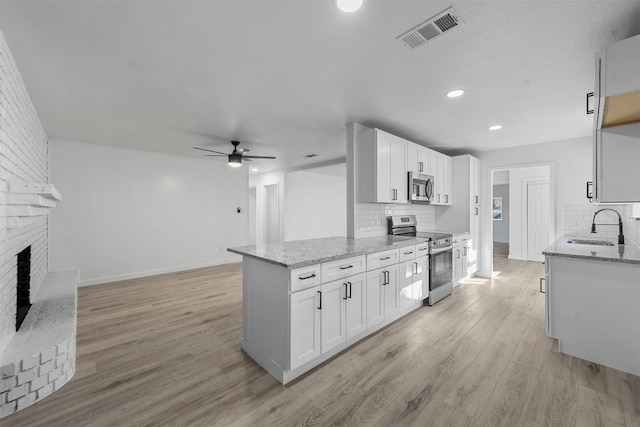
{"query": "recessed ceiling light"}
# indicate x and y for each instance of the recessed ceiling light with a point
(455, 93)
(348, 5)
(495, 127)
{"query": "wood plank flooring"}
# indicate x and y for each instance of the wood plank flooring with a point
(165, 351)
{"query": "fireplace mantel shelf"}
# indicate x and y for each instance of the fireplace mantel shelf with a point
(27, 203)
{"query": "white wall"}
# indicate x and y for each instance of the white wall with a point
(129, 213)
(571, 168)
(315, 205)
(519, 178)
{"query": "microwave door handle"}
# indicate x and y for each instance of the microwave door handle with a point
(429, 189)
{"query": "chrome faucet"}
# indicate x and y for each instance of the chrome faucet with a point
(620, 235)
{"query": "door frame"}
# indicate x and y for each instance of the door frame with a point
(552, 200)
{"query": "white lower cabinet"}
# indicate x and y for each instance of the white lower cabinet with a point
(343, 310)
(382, 294)
(414, 281)
(356, 305)
(324, 318)
(305, 326)
(460, 257)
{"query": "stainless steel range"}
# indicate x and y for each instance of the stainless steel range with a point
(440, 255)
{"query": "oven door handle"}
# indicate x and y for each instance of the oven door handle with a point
(435, 251)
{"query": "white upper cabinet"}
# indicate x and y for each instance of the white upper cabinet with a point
(417, 158)
(616, 161)
(616, 153)
(440, 167)
(617, 88)
(381, 167)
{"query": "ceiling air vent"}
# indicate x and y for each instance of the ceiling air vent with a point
(431, 29)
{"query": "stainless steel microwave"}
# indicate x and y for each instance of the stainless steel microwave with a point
(420, 187)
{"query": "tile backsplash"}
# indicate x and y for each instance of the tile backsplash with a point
(371, 218)
(577, 221)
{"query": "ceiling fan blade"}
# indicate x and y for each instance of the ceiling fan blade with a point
(212, 151)
(258, 157)
(215, 155)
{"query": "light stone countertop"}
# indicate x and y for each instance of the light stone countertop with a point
(627, 253)
(313, 251)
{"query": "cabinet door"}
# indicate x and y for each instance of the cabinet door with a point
(464, 265)
(413, 161)
(447, 180)
(356, 305)
(617, 158)
(433, 170)
(305, 326)
(384, 192)
(457, 264)
(398, 162)
(375, 297)
(474, 241)
(405, 283)
(333, 313)
(421, 279)
(474, 181)
(392, 291)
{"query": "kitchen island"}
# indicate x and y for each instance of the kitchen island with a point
(305, 301)
(593, 301)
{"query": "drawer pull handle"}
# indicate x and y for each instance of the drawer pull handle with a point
(348, 266)
(307, 277)
(385, 258)
(408, 253)
(422, 249)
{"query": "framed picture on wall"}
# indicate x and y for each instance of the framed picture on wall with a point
(496, 209)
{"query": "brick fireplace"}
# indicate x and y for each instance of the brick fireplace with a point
(37, 307)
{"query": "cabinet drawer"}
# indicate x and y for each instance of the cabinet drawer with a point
(422, 249)
(382, 259)
(305, 277)
(407, 253)
(341, 268)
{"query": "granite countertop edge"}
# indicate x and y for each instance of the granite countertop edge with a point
(629, 255)
(330, 249)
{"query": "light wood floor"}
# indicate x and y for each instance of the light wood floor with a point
(164, 351)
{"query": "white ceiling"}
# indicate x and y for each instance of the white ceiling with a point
(284, 77)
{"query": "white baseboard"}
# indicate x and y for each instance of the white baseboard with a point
(138, 274)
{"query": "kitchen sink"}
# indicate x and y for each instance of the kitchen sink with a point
(590, 242)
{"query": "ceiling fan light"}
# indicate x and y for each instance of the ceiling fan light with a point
(235, 160)
(348, 5)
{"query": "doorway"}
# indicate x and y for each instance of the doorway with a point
(522, 211)
(271, 214)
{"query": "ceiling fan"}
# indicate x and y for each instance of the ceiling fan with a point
(235, 158)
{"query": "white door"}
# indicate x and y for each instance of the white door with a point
(271, 217)
(537, 220)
